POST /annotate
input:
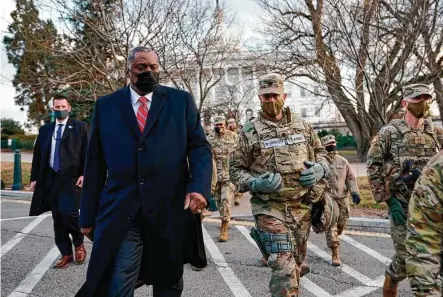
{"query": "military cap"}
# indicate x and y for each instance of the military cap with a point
(328, 139)
(231, 121)
(219, 119)
(271, 83)
(415, 90)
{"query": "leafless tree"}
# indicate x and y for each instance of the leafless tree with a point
(195, 54)
(238, 98)
(193, 40)
(360, 52)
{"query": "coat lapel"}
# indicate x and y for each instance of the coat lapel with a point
(158, 98)
(70, 124)
(128, 111)
(48, 140)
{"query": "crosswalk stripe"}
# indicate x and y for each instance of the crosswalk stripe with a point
(345, 268)
(23, 218)
(367, 250)
(226, 272)
(304, 281)
(31, 280)
(19, 236)
(362, 291)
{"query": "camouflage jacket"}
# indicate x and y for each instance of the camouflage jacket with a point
(223, 147)
(425, 230)
(214, 176)
(266, 146)
(341, 179)
(395, 152)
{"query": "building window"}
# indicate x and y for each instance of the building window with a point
(302, 92)
(317, 111)
(303, 112)
(316, 90)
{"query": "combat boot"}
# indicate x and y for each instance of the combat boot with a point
(390, 287)
(224, 232)
(304, 269)
(335, 256)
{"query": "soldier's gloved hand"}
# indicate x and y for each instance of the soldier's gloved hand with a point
(355, 198)
(397, 213)
(266, 183)
(412, 177)
(313, 174)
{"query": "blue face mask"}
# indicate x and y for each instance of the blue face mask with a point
(61, 114)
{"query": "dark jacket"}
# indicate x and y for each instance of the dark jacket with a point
(72, 156)
(129, 173)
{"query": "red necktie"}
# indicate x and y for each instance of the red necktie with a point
(142, 113)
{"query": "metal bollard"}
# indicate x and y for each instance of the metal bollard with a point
(17, 182)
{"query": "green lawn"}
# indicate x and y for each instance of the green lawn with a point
(7, 174)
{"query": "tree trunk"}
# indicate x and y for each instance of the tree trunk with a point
(438, 88)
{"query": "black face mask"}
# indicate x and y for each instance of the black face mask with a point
(218, 130)
(330, 148)
(147, 81)
(61, 114)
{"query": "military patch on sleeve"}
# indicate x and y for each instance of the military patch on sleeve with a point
(248, 127)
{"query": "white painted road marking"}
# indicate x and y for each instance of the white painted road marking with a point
(19, 236)
(304, 281)
(24, 218)
(31, 280)
(345, 268)
(228, 275)
(366, 249)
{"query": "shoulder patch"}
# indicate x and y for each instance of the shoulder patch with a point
(247, 127)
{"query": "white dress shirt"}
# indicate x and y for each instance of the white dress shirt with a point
(136, 102)
(54, 136)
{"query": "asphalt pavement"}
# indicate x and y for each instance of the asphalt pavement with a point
(28, 253)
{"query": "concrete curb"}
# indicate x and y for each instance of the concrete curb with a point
(354, 223)
(18, 195)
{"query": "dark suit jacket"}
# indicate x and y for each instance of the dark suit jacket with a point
(130, 173)
(72, 156)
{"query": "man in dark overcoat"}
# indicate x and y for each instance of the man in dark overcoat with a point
(148, 171)
(57, 178)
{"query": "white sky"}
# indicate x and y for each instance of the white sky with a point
(247, 12)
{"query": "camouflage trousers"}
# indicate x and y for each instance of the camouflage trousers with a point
(302, 236)
(336, 230)
(223, 198)
(397, 268)
(237, 195)
(285, 273)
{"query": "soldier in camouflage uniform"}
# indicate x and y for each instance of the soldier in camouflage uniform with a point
(223, 143)
(341, 181)
(281, 162)
(425, 231)
(232, 126)
(397, 155)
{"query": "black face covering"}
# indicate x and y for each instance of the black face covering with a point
(330, 148)
(147, 81)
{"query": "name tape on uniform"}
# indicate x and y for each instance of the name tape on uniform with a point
(284, 141)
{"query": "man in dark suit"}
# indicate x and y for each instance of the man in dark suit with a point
(148, 170)
(57, 178)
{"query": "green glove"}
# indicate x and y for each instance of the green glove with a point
(266, 183)
(397, 213)
(313, 174)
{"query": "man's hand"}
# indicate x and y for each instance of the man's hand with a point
(312, 174)
(266, 183)
(79, 182)
(195, 202)
(33, 184)
(88, 232)
(355, 198)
